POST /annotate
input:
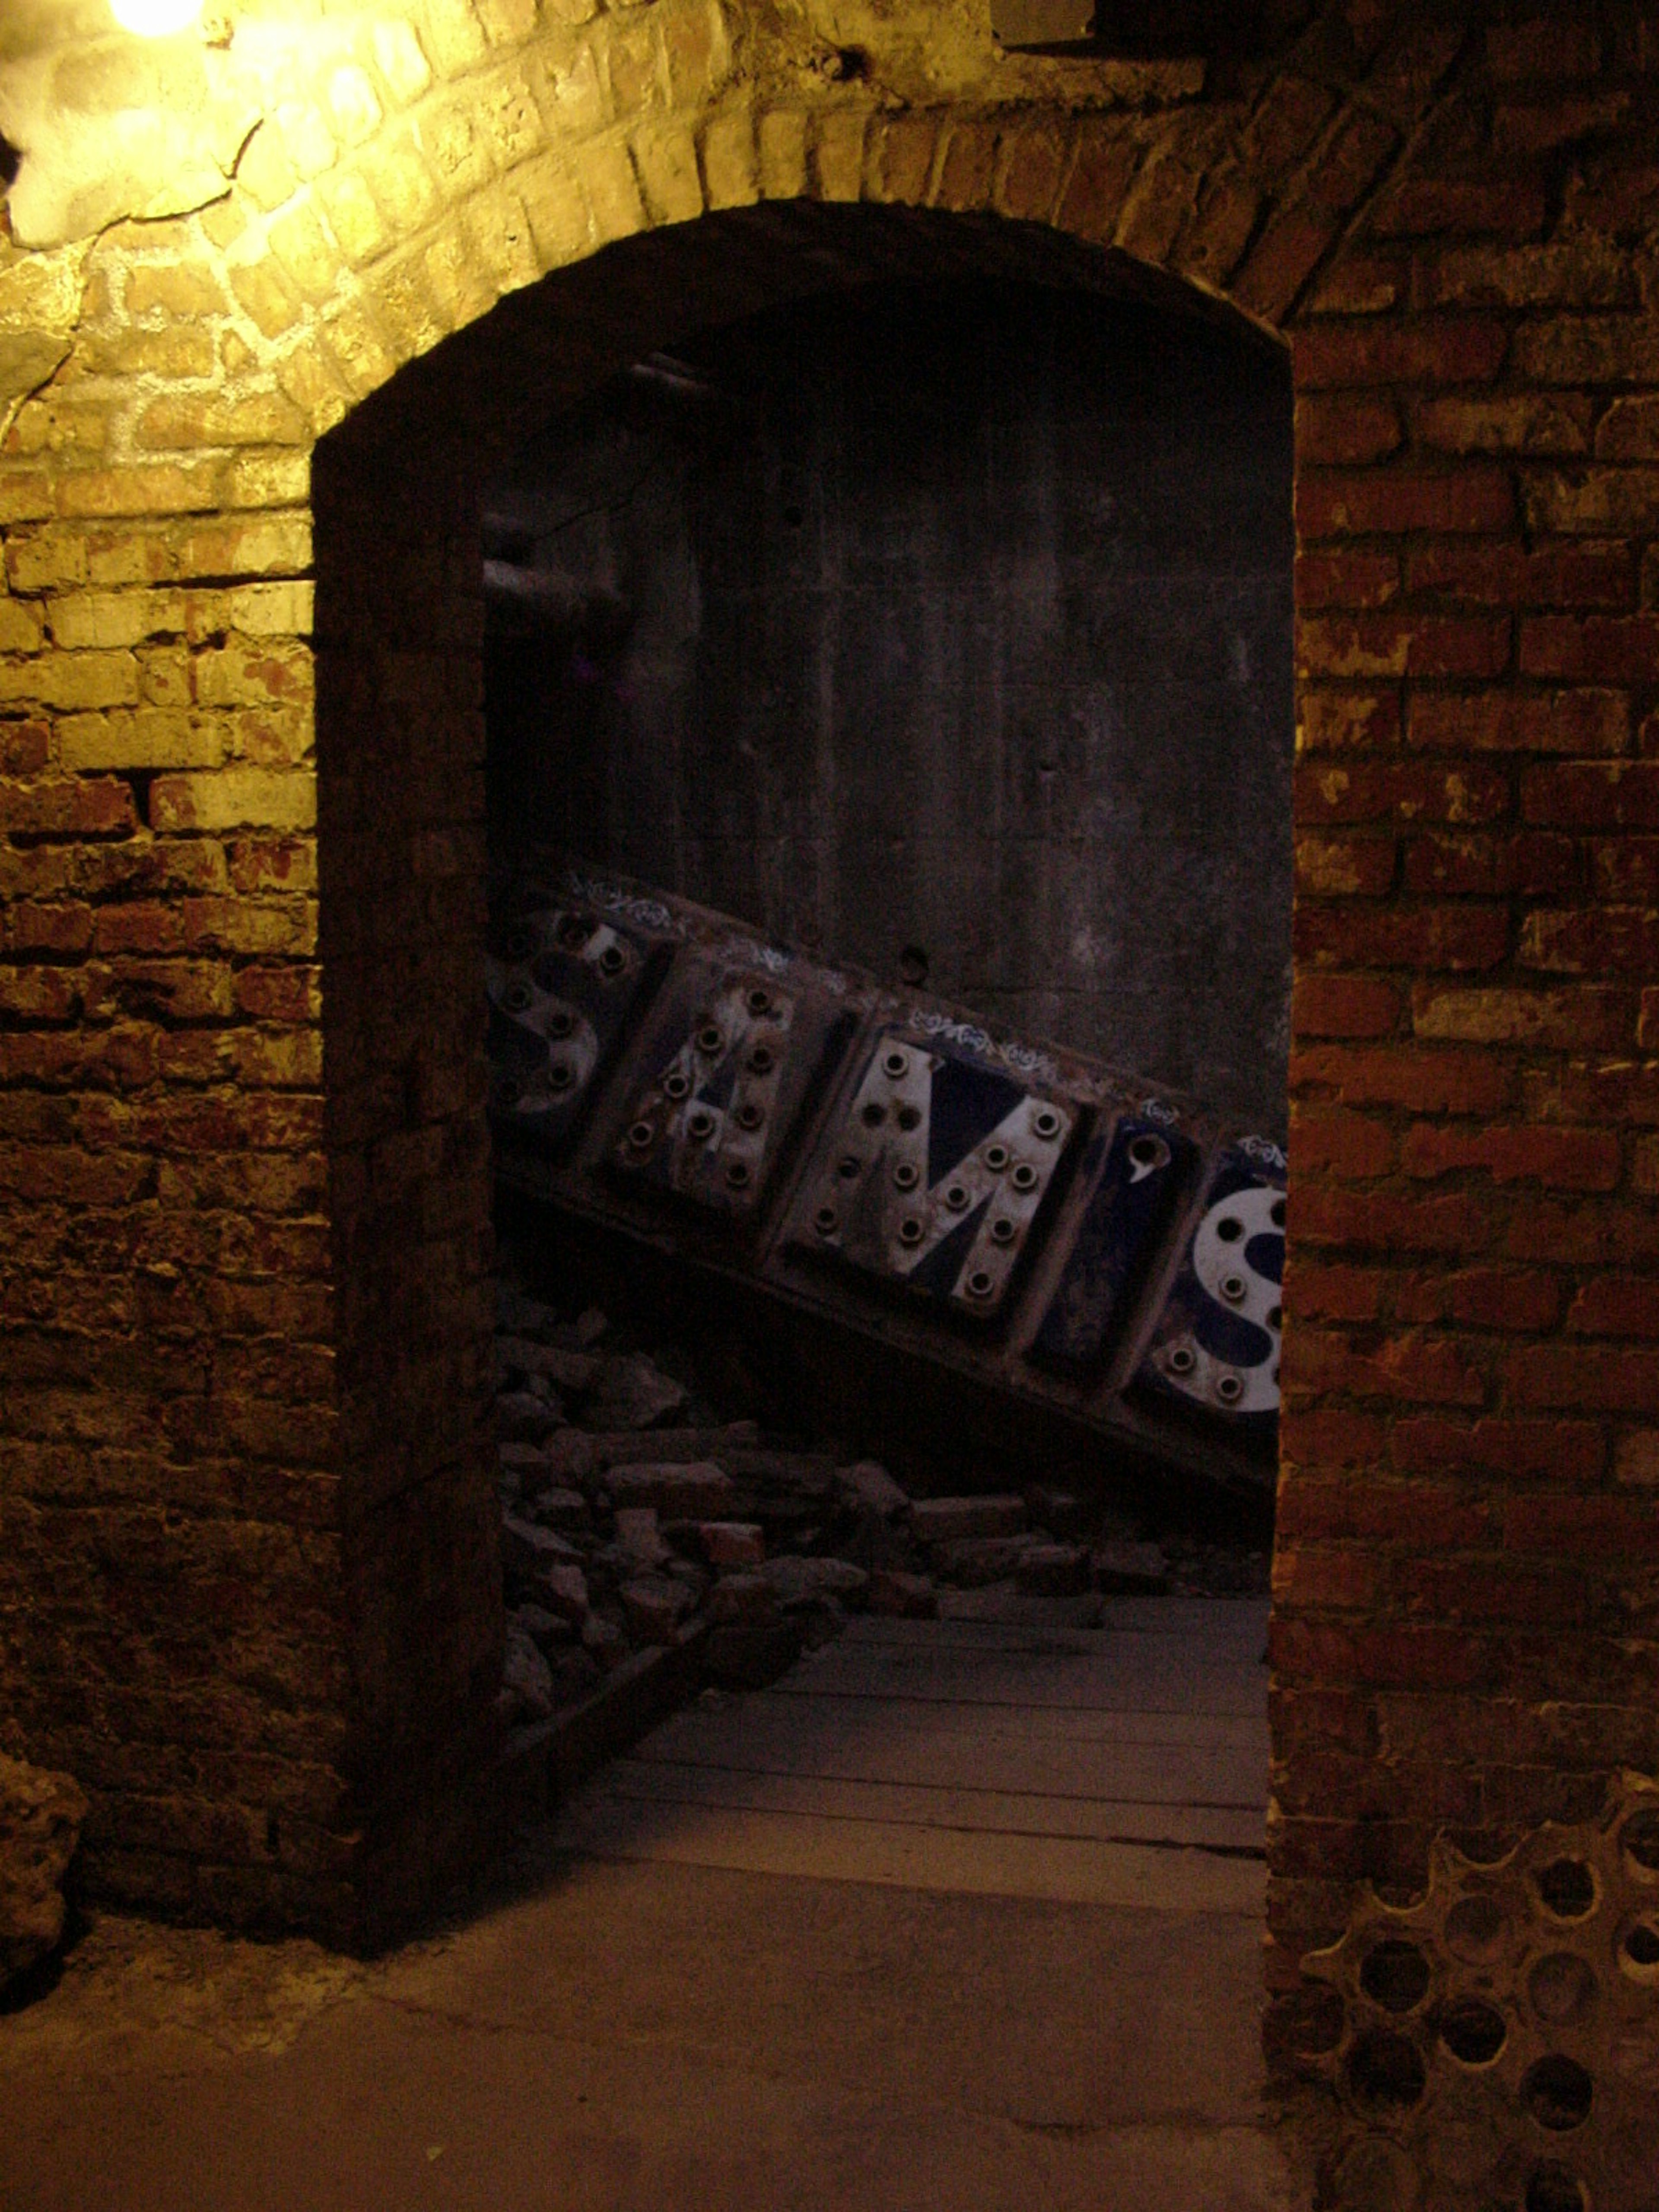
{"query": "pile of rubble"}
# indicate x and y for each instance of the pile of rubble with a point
(633, 1520)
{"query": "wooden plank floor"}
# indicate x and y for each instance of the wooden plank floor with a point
(1122, 1766)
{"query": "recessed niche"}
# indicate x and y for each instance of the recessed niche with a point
(1562, 1987)
(1552, 2187)
(1395, 1975)
(1387, 2072)
(1477, 1931)
(1473, 2031)
(1567, 1888)
(1558, 2092)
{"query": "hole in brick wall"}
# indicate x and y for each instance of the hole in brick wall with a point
(1557, 2091)
(1638, 1948)
(1567, 1888)
(1395, 1975)
(1477, 1930)
(1376, 2175)
(846, 65)
(1551, 2187)
(1386, 2072)
(1640, 1838)
(1473, 2032)
(1562, 1986)
(138, 781)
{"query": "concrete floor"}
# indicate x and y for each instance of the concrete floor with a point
(626, 2028)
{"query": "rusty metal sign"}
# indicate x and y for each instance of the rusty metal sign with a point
(1014, 1211)
(1143, 1164)
(1214, 1348)
(731, 1062)
(934, 1173)
(564, 980)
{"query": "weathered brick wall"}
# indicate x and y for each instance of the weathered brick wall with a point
(171, 1626)
(399, 768)
(246, 1591)
(1467, 1577)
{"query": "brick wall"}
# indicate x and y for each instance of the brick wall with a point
(400, 764)
(169, 1489)
(1466, 1600)
(246, 1590)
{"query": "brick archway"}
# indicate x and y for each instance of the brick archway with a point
(396, 496)
(1240, 221)
(731, 209)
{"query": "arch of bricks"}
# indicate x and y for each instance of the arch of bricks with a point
(248, 1591)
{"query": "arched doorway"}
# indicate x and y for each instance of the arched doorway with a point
(402, 495)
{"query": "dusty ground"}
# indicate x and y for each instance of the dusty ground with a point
(630, 2036)
(744, 1997)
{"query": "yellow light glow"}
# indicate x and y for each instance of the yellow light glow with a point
(155, 18)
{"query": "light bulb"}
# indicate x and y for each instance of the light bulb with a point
(155, 18)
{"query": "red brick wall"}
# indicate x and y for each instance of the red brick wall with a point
(1467, 1629)
(400, 845)
(167, 1493)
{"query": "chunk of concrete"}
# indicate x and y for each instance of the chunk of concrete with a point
(953, 1520)
(653, 1607)
(633, 1393)
(901, 1597)
(570, 1456)
(524, 1417)
(639, 1536)
(1056, 1569)
(604, 1639)
(974, 1561)
(527, 1675)
(740, 1597)
(40, 1817)
(547, 1630)
(564, 1590)
(869, 1488)
(527, 1549)
(693, 1489)
(561, 1509)
(731, 1543)
(796, 1581)
(522, 1465)
(1131, 1570)
(568, 1370)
